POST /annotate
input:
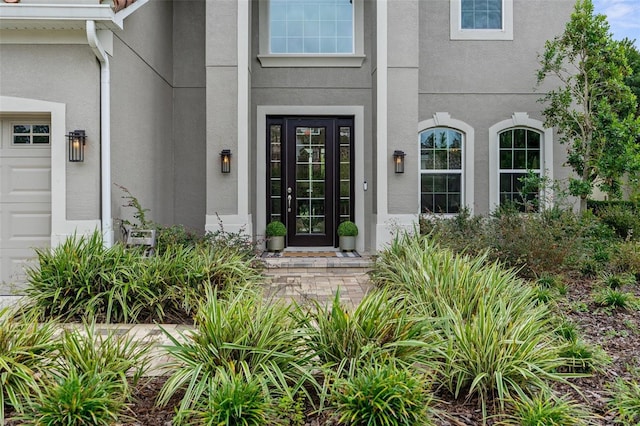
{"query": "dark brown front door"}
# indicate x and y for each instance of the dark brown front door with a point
(310, 177)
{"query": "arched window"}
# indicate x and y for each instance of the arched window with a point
(518, 146)
(520, 153)
(441, 170)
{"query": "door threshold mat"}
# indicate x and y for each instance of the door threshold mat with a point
(311, 254)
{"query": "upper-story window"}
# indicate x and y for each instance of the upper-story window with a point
(311, 26)
(311, 33)
(481, 14)
(481, 19)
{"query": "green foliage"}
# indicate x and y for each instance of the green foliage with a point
(580, 357)
(627, 258)
(612, 298)
(243, 335)
(347, 229)
(289, 411)
(616, 281)
(232, 400)
(25, 353)
(383, 394)
(625, 401)
(239, 241)
(77, 399)
(493, 337)
(592, 109)
(624, 221)
(82, 279)
(121, 359)
(546, 410)
(275, 229)
(379, 328)
(567, 330)
(140, 214)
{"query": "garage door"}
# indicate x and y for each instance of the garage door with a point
(25, 197)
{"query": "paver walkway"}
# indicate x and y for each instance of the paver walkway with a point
(304, 279)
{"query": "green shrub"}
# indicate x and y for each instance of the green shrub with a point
(382, 394)
(616, 281)
(379, 328)
(244, 334)
(627, 258)
(121, 359)
(567, 330)
(624, 220)
(347, 229)
(232, 400)
(546, 410)
(611, 298)
(275, 229)
(25, 353)
(175, 235)
(83, 279)
(77, 399)
(581, 357)
(625, 401)
(494, 338)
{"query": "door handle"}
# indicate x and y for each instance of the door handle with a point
(289, 203)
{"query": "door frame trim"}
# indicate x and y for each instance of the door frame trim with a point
(357, 111)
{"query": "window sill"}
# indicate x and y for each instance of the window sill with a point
(309, 61)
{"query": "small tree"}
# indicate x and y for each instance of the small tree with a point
(592, 108)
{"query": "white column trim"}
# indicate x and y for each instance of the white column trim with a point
(357, 111)
(243, 108)
(382, 159)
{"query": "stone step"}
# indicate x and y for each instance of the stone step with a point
(304, 279)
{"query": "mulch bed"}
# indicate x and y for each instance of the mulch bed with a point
(615, 331)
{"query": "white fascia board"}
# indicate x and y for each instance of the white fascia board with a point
(59, 12)
(121, 15)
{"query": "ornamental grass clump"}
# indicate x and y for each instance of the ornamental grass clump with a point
(383, 394)
(379, 328)
(494, 339)
(26, 349)
(244, 334)
(625, 401)
(232, 399)
(77, 399)
(82, 279)
(546, 410)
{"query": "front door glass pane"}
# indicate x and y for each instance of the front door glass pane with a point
(310, 180)
(275, 160)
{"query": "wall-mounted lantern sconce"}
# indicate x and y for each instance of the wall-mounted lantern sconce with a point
(398, 160)
(225, 161)
(77, 141)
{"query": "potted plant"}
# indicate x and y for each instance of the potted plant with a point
(275, 234)
(347, 231)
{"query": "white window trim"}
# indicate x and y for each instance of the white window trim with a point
(457, 33)
(518, 120)
(271, 60)
(443, 119)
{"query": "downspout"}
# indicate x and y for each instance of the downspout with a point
(105, 132)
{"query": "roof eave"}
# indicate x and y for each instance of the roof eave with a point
(29, 13)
